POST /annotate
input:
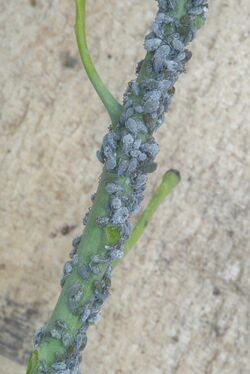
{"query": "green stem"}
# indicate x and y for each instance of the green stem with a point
(111, 104)
(169, 181)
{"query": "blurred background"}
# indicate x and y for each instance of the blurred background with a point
(180, 301)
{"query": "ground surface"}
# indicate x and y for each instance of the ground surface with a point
(180, 301)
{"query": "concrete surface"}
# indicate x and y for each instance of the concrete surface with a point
(180, 302)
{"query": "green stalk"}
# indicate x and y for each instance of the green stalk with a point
(95, 237)
(110, 103)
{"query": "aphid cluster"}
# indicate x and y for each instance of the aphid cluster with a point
(128, 152)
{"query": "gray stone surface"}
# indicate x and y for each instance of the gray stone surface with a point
(180, 301)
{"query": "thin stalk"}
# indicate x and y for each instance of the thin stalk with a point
(111, 104)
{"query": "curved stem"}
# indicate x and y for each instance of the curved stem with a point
(169, 181)
(111, 104)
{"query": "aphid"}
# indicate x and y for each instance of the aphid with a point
(151, 101)
(135, 88)
(116, 254)
(120, 216)
(67, 268)
(72, 252)
(160, 57)
(116, 203)
(129, 112)
(102, 221)
(109, 141)
(132, 165)
(97, 259)
(151, 148)
(140, 181)
(180, 57)
(66, 339)
(85, 313)
(99, 156)
(60, 324)
(152, 44)
(172, 66)
(81, 340)
(94, 268)
(110, 163)
(85, 219)
(177, 44)
(93, 197)
(138, 66)
(126, 229)
(128, 104)
(94, 319)
(123, 165)
(59, 366)
(84, 271)
(112, 188)
(127, 141)
(197, 11)
(38, 337)
(75, 259)
(75, 294)
(55, 334)
(140, 156)
(138, 109)
(76, 241)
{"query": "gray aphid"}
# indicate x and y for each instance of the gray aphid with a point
(128, 141)
(76, 241)
(160, 57)
(94, 319)
(102, 221)
(135, 88)
(129, 112)
(133, 163)
(66, 339)
(152, 44)
(120, 216)
(60, 324)
(122, 167)
(55, 334)
(177, 44)
(116, 254)
(72, 252)
(151, 101)
(165, 85)
(138, 109)
(85, 313)
(110, 163)
(38, 337)
(81, 341)
(116, 203)
(84, 271)
(112, 188)
(197, 11)
(151, 148)
(95, 269)
(75, 259)
(59, 366)
(85, 219)
(68, 268)
(99, 156)
(172, 66)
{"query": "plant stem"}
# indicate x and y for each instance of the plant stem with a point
(111, 104)
(97, 237)
(169, 181)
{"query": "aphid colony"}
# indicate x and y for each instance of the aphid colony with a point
(128, 152)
